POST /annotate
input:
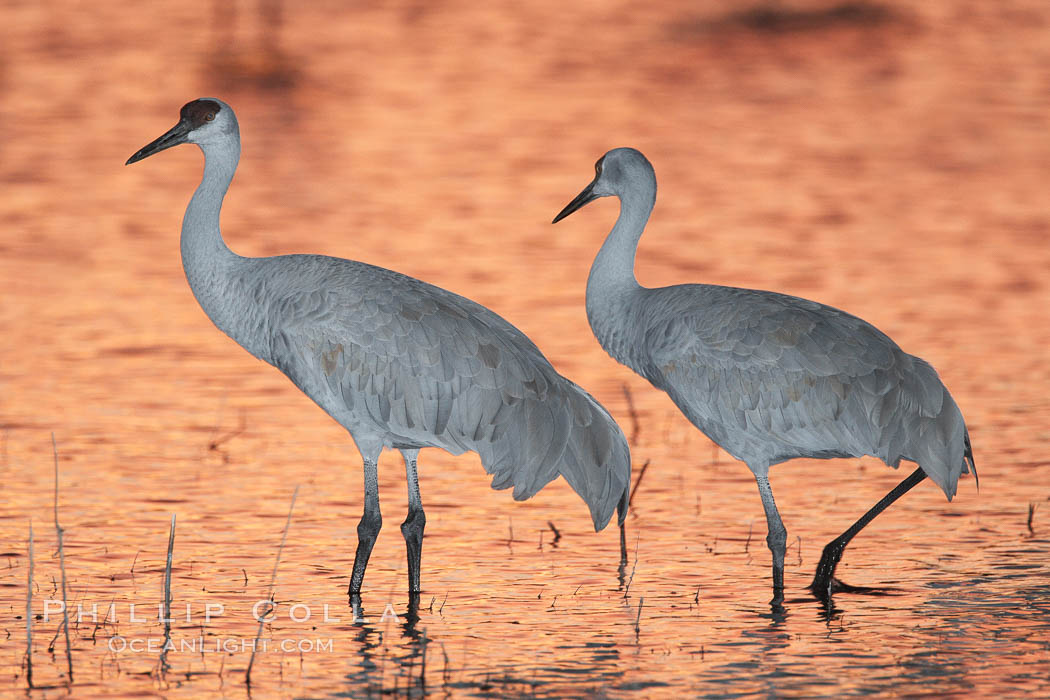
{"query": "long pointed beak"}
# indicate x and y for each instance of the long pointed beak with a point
(173, 137)
(582, 198)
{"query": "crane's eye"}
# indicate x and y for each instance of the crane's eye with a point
(598, 167)
(209, 116)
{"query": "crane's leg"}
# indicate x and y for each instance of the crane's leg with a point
(623, 545)
(824, 580)
(368, 528)
(776, 538)
(413, 526)
(621, 515)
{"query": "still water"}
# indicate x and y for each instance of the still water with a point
(885, 159)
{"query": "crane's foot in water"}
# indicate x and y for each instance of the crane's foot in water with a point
(355, 606)
(835, 585)
(824, 582)
(824, 590)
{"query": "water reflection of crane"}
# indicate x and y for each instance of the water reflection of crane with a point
(766, 376)
(398, 362)
(374, 642)
(389, 665)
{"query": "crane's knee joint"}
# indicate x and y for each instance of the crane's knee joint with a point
(777, 540)
(414, 523)
(370, 525)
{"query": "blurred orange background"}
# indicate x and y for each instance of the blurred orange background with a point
(887, 158)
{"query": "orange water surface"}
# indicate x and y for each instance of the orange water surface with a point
(886, 158)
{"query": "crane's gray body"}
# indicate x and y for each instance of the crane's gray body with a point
(404, 364)
(771, 377)
(768, 377)
(398, 362)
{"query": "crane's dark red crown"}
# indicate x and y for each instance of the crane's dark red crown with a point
(199, 111)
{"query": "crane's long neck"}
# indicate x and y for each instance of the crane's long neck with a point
(613, 292)
(211, 267)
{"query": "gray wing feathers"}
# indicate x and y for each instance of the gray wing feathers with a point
(529, 425)
(771, 378)
(422, 366)
(567, 433)
(595, 449)
(921, 422)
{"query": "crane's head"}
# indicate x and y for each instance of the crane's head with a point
(613, 174)
(201, 121)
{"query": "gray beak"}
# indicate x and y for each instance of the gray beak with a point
(582, 198)
(173, 137)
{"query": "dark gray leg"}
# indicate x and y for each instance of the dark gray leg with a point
(368, 528)
(413, 526)
(621, 515)
(776, 538)
(824, 581)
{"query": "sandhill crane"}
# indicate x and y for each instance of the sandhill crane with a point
(766, 376)
(397, 362)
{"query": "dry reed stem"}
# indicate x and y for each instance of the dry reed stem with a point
(162, 666)
(242, 425)
(630, 580)
(637, 483)
(62, 567)
(636, 426)
(557, 535)
(29, 612)
(273, 578)
(167, 573)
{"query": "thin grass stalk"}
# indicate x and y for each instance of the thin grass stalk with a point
(62, 567)
(167, 574)
(273, 578)
(636, 426)
(29, 612)
(162, 665)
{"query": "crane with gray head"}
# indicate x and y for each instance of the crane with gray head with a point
(399, 363)
(768, 377)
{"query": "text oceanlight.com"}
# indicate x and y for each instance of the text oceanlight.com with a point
(229, 645)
